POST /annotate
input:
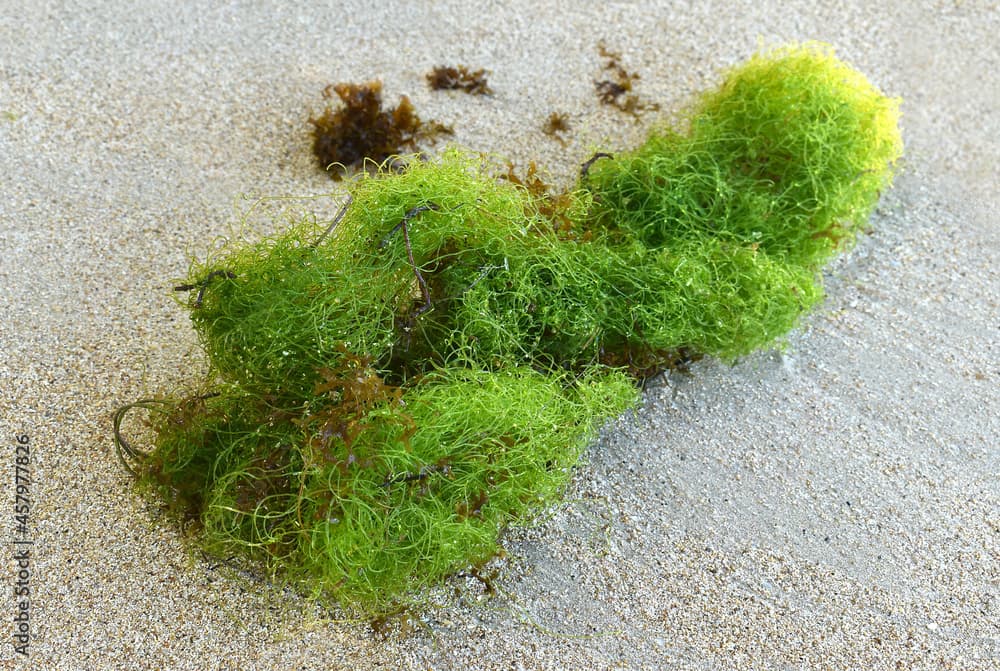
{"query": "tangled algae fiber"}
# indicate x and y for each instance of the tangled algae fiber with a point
(389, 392)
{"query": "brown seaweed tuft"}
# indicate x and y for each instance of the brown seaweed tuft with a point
(360, 129)
(460, 78)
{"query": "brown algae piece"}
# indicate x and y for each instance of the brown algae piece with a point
(443, 78)
(557, 207)
(360, 129)
(618, 91)
(555, 124)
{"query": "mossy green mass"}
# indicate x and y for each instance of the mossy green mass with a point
(386, 396)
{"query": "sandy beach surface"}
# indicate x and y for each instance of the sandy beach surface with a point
(835, 505)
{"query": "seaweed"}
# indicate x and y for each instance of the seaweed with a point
(390, 390)
(558, 207)
(618, 91)
(361, 130)
(557, 123)
(788, 156)
(459, 78)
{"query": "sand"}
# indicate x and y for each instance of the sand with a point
(835, 505)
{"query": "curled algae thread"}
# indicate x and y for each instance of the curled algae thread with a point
(390, 391)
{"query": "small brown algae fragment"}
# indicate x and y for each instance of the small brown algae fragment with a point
(459, 78)
(555, 124)
(618, 91)
(360, 129)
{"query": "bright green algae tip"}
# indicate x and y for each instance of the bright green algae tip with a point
(387, 395)
(789, 155)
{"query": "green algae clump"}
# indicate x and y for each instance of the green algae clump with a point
(390, 391)
(789, 154)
